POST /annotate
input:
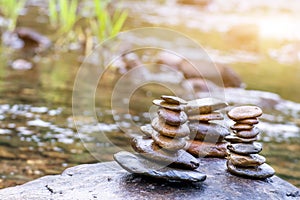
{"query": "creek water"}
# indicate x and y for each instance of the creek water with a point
(37, 131)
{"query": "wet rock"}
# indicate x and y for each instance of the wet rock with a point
(248, 133)
(206, 117)
(244, 112)
(204, 106)
(170, 131)
(32, 38)
(250, 121)
(251, 160)
(208, 132)
(238, 127)
(139, 165)
(205, 149)
(164, 104)
(107, 180)
(261, 172)
(21, 64)
(148, 149)
(171, 144)
(173, 100)
(171, 117)
(245, 149)
(235, 139)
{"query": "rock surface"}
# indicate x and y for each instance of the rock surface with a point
(110, 181)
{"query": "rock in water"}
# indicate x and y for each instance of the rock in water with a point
(139, 165)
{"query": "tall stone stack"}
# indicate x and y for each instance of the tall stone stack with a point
(165, 138)
(207, 137)
(243, 159)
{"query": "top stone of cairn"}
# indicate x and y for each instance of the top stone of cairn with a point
(244, 112)
(173, 100)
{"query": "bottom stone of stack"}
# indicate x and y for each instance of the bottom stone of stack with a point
(139, 165)
(148, 149)
(260, 172)
(205, 149)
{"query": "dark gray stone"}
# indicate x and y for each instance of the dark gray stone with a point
(261, 172)
(139, 165)
(148, 149)
(245, 149)
(109, 181)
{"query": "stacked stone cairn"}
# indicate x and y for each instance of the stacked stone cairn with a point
(243, 159)
(166, 137)
(207, 137)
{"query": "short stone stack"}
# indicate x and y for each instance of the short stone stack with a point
(206, 138)
(166, 136)
(243, 159)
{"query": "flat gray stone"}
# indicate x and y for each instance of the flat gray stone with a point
(148, 149)
(109, 181)
(245, 149)
(139, 165)
(204, 105)
(261, 172)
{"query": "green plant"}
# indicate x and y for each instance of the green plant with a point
(11, 10)
(63, 14)
(104, 25)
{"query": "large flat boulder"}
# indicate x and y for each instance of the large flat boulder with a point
(109, 181)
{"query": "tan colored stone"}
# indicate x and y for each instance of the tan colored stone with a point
(244, 112)
(206, 117)
(204, 105)
(235, 139)
(171, 117)
(239, 127)
(251, 160)
(170, 131)
(204, 149)
(250, 121)
(164, 104)
(173, 100)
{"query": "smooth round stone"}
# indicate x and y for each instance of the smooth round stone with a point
(261, 172)
(251, 160)
(171, 144)
(206, 117)
(235, 139)
(250, 121)
(204, 105)
(173, 100)
(170, 131)
(239, 127)
(139, 165)
(147, 130)
(205, 149)
(171, 117)
(245, 149)
(248, 133)
(148, 149)
(208, 132)
(244, 112)
(164, 104)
